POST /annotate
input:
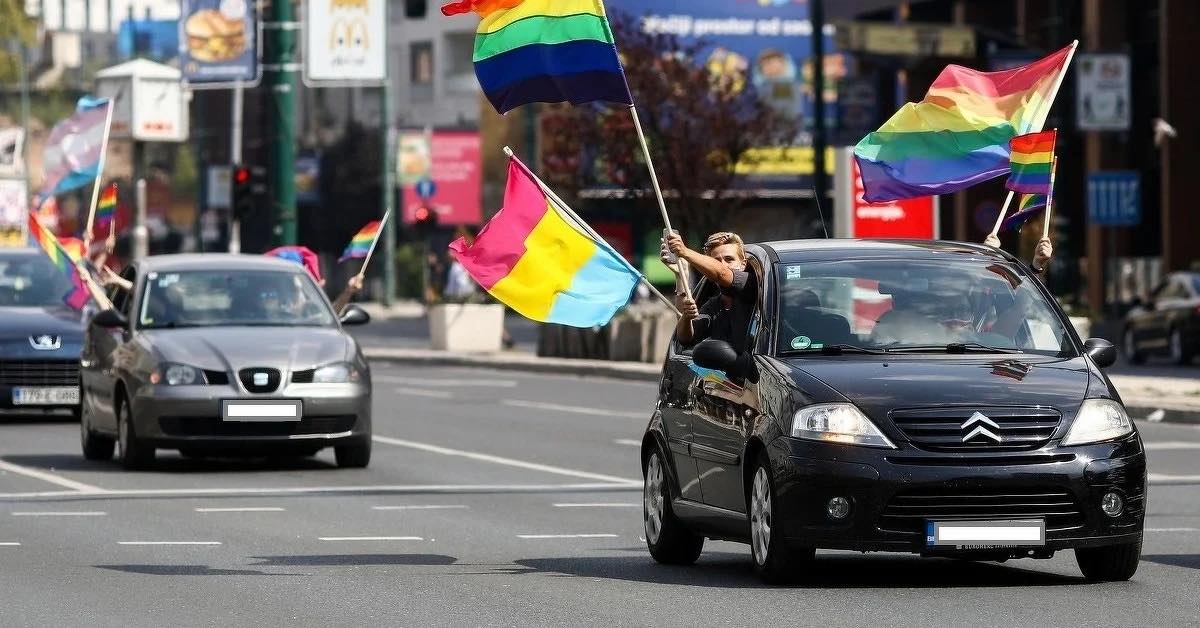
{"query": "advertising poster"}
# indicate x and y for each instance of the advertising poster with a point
(218, 41)
(345, 40)
(12, 213)
(1102, 100)
(456, 171)
(11, 158)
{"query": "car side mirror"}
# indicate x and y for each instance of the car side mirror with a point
(355, 315)
(717, 355)
(110, 319)
(1102, 352)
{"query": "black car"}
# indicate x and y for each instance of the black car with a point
(40, 337)
(923, 397)
(1168, 324)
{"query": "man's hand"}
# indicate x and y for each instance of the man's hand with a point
(992, 241)
(1043, 253)
(676, 246)
(687, 307)
(355, 284)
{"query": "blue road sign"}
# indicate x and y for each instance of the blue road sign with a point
(426, 188)
(1114, 198)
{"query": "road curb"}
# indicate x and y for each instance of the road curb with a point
(1152, 414)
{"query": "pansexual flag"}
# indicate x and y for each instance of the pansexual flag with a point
(71, 158)
(106, 208)
(63, 259)
(1032, 158)
(536, 262)
(1030, 205)
(958, 135)
(545, 51)
(361, 243)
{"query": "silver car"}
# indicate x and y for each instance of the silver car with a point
(223, 355)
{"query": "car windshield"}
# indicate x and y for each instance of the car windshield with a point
(908, 305)
(231, 298)
(31, 281)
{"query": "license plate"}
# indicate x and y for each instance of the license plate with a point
(261, 411)
(56, 396)
(986, 534)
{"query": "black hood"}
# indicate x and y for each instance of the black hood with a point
(18, 324)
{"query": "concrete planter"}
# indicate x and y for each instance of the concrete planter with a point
(466, 327)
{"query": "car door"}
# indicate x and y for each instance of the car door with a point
(103, 351)
(677, 407)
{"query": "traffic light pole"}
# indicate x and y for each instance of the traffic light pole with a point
(388, 181)
(280, 64)
(235, 158)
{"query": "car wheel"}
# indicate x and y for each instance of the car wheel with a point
(356, 456)
(669, 542)
(95, 446)
(1131, 353)
(1179, 353)
(135, 453)
(1109, 564)
(774, 561)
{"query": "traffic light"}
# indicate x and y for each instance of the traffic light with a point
(425, 220)
(249, 189)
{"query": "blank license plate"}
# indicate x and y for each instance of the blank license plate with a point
(56, 396)
(265, 411)
(986, 534)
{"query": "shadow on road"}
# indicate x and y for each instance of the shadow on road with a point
(829, 572)
(355, 560)
(173, 464)
(189, 570)
(1187, 561)
(37, 419)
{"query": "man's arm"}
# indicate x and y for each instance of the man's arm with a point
(353, 286)
(707, 266)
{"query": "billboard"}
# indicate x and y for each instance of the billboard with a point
(456, 172)
(218, 41)
(1102, 94)
(345, 40)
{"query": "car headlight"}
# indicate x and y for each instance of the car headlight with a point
(1098, 420)
(340, 373)
(177, 375)
(838, 423)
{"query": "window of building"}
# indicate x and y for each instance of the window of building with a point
(421, 65)
(460, 67)
(416, 9)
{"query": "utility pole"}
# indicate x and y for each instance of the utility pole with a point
(280, 64)
(23, 77)
(235, 160)
(816, 17)
(388, 182)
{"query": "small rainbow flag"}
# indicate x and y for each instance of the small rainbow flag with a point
(545, 51)
(361, 243)
(539, 264)
(1029, 206)
(106, 209)
(62, 259)
(1032, 158)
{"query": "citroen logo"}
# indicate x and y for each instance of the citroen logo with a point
(45, 342)
(981, 423)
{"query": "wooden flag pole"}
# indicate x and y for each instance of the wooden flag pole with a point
(582, 224)
(1000, 220)
(662, 204)
(1050, 199)
(362, 271)
(87, 235)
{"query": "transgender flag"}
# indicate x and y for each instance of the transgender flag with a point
(73, 151)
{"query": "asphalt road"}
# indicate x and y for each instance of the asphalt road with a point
(494, 498)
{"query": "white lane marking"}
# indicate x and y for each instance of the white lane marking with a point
(1172, 529)
(600, 505)
(505, 461)
(450, 383)
(1173, 444)
(370, 538)
(9, 544)
(419, 392)
(566, 536)
(247, 509)
(629, 442)
(425, 507)
(557, 407)
(168, 542)
(1157, 416)
(65, 513)
(401, 489)
(52, 478)
(1165, 478)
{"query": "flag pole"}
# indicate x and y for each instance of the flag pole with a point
(1000, 218)
(582, 224)
(362, 271)
(662, 204)
(1050, 200)
(87, 235)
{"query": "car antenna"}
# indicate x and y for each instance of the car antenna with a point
(819, 212)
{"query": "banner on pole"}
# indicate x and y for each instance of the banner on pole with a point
(218, 41)
(345, 40)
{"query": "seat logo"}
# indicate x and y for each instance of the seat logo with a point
(45, 342)
(981, 423)
(260, 379)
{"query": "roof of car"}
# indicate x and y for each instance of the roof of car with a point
(216, 261)
(21, 252)
(810, 250)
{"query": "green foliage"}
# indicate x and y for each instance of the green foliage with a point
(15, 27)
(409, 268)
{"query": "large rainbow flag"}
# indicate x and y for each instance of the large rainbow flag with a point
(958, 135)
(1032, 158)
(63, 259)
(539, 264)
(545, 51)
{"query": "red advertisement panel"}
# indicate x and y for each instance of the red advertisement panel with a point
(457, 179)
(910, 218)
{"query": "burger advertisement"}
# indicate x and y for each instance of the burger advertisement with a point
(217, 38)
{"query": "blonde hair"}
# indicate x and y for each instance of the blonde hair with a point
(722, 238)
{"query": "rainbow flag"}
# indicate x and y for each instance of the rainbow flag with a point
(958, 135)
(63, 259)
(361, 243)
(539, 264)
(1032, 158)
(545, 51)
(1030, 205)
(106, 208)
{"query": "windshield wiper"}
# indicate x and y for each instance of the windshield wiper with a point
(953, 347)
(837, 349)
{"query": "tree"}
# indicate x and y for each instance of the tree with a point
(699, 126)
(15, 28)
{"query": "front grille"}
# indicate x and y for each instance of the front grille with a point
(303, 377)
(247, 377)
(961, 430)
(39, 372)
(216, 378)
(207, 426)
(908, 511)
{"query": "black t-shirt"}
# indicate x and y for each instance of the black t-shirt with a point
(730, 323)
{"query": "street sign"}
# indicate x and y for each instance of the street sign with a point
(220, 187)
(1102, 101)
(426, 188)
(218, 41)
(345, 41)
(1114, 198)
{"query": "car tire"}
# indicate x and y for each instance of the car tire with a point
(775, 561)
(1115, 563)
(669, 541)
(94, 446)
(1179, 352)
(356, 456)
(135, 453)
(1131, 353)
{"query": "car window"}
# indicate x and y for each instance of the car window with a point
(913, 304)
(231, 298)
(1174, 289)
(31, 281)
(1196, 285)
